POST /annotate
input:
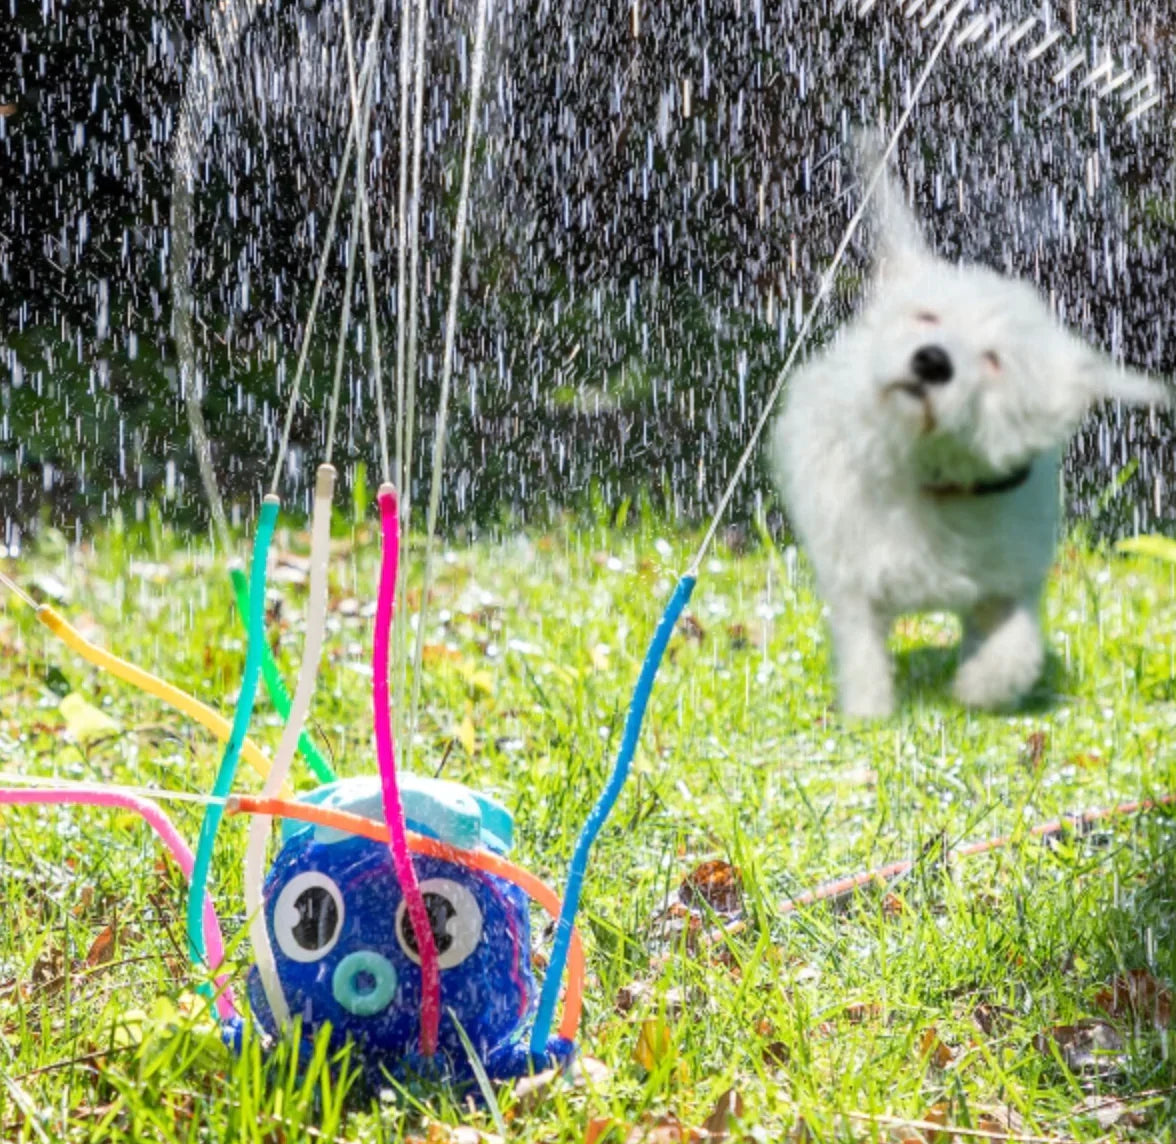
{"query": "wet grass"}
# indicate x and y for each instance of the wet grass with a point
(951, 996)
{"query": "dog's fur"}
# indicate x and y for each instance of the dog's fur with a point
(910, 492)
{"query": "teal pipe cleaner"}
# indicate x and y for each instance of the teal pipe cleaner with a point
(214, 811)
(278, 694)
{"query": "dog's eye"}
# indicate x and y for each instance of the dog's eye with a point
(927, 318)
(992, 360)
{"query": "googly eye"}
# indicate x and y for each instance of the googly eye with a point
(454, 917)
(927, 318)
(308, 916)
(992, 360)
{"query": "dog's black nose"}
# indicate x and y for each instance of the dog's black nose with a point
(932, 365)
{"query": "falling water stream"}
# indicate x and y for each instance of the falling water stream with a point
(654, 194)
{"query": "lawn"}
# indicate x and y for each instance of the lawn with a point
(1022, 993)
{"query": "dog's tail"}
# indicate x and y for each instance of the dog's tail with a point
(898, 235)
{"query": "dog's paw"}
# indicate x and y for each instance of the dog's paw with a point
(977, 684)
(1004, 665)
(872, 703)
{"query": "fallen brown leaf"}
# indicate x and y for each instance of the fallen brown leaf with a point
(1110, 1112)
(586, 1072)
(85, 901)
(102, 948)
(800, 1133)
(718, 884)
(1002, 1119)
(1092, 1048)
(631, 995)
(933, 1049)
(992, 1019)
(600, 1127)
(776, 1054)
(727, 1108)
(936, 1114)
(1139, 996)
(667, 1129)
(1035, 748)
(47, 975)
(438, 1133)
(936, 1127)
(655, 1043)
(858, 1012)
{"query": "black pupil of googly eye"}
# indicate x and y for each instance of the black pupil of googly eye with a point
(441, 912)
(318, 916)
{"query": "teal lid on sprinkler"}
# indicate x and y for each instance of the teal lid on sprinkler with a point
(438, 808)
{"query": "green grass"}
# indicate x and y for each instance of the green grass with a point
(936, 998)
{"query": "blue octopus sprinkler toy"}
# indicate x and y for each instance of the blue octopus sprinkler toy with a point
(346, 954)
(337, 939)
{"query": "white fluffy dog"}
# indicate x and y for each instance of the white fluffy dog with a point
(918, 456)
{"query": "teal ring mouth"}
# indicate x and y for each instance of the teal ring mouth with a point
(364, 998)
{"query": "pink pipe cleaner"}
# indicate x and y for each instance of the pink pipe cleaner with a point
(418, 914)
(161, 824)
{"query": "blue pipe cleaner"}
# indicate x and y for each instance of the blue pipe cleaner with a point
(601, 811)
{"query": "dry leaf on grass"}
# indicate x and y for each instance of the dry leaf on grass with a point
(859, 1012)
(717, 884)
(727, 1108)
(672, 1003)
(1110, 1112)
(531, 1091)
(936, 1114)
(102, 947)
(600, 1127)
(437, 1133)
(776, 1054)
(992, 1020)
(1090, 1048)
(940, 1125)
(998, 1118)
(1035, 748)
(666, 1129)
(655, 1043)
(631, 995)
(932, 1049)
(1137, 995)
(712, 888)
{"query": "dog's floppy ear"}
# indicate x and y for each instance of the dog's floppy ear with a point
(900, 241)
(1077, 379)
(1108, 381)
